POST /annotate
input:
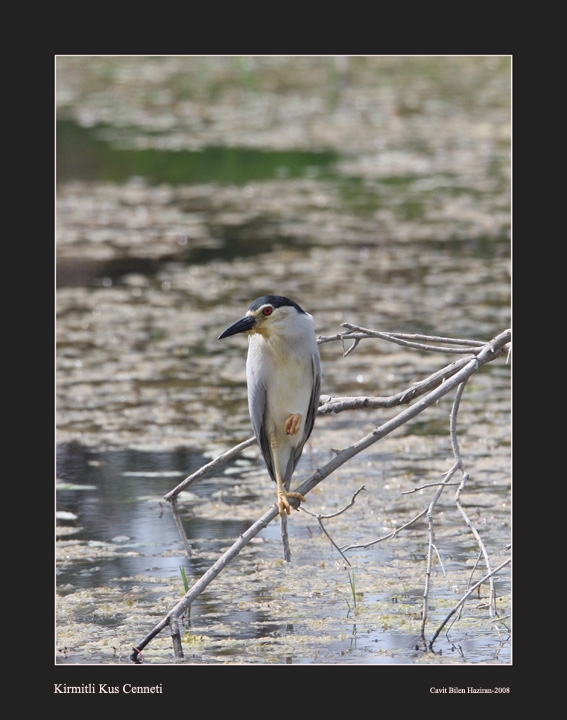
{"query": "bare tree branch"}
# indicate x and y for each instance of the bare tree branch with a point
(442, 383)
(220, 460)
(357, 333)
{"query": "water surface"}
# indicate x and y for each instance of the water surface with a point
(383, 201)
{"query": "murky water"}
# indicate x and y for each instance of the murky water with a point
(383, 201)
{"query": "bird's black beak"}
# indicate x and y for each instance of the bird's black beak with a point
(243, 325)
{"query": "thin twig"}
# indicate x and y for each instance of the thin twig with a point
(320, 517)
(465, 478)
(466, 596)
(339, 512)
(220, 460)
(405, 526)
(429, 515)
(357, 333)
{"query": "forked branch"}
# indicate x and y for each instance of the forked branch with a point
(427, 392)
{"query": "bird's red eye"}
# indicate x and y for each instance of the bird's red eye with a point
(267, 310)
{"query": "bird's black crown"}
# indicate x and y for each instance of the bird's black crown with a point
(275, 301)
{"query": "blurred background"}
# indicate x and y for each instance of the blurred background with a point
(371, 190)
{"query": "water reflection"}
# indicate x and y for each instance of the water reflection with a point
(117, 499)
(93, 154)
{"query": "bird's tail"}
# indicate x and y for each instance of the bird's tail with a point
(285, 538)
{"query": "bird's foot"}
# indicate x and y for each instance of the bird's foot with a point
(292, 424)
(284, 506)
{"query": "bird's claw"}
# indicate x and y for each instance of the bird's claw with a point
(284, 506)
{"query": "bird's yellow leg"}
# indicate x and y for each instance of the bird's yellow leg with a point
(292, 424)
(283, 502)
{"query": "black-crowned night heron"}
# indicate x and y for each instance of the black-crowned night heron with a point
(283, 372)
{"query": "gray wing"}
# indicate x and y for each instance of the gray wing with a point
(311, 415)
(256, 407)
